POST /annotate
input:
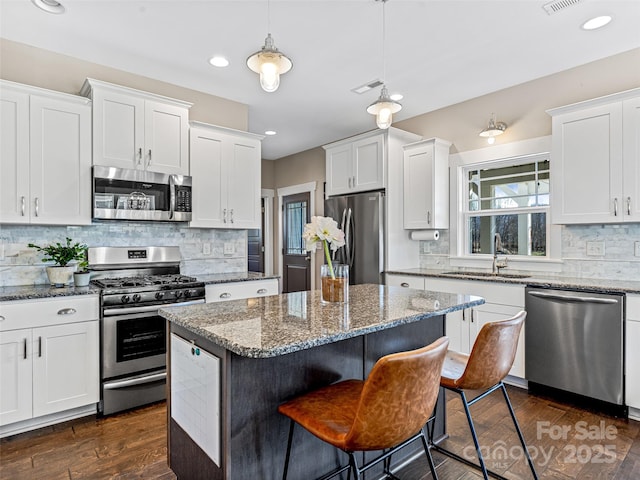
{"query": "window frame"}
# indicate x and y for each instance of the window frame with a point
(520, 152)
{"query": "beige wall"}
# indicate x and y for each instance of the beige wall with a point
(42, 68)
(523, 107)
(268, 174)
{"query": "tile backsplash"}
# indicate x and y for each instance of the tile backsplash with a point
(588, 251)
(202, 249)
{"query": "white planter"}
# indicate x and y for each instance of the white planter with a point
(60, 276)
(81, 279)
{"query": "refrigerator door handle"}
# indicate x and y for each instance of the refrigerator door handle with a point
(349, 240)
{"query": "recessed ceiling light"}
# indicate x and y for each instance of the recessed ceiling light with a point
(50, 6)
(270, 132)
(597, 22)
(396, 97)
(218, 61)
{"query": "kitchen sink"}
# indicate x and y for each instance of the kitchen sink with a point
(487, 274)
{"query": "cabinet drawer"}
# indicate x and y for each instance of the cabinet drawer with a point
(408, 281)
(47, 311)
(633, 307)
(221, 292)
(492, 292)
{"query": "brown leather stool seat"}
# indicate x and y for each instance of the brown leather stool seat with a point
(484, 369)
(385, 412)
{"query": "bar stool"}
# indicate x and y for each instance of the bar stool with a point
(385, 412)
(484, 369)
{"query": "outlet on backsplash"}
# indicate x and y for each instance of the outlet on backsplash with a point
(206, 248)
(595, 249)
(229, 248)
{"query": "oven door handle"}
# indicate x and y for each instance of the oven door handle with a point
(148, 308)
(135, 381)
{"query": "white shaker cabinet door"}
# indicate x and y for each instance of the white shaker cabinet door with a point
(15, 376)
(65, 367)
(244, 177)
(338, 170)
(14, 157)
(632, 363)
(368, 164)
(118, 130)
(60, 150)
(166, 136)
(631, 159)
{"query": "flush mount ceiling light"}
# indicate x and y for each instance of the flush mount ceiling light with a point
(493, 129)
(49, 6)
(269, 62)
(597, 22)
(270, 132)
(384, 107)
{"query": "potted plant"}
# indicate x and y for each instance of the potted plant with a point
(62, 254)
(82, 275)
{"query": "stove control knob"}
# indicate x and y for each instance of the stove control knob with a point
(125, 299)
(159, 295)
(136, 297)
(187, 293)
(178, 293)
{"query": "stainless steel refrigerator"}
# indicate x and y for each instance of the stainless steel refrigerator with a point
(361, 218)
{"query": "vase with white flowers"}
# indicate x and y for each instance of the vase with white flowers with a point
(335, 277)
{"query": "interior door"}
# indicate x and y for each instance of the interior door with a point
(296, 261)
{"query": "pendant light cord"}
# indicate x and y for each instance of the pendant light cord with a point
(384, 36)
(268, 16)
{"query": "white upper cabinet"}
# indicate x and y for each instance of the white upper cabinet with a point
(138, 130)
(356, 164)
(45, 156)
(226, 171)
(595, 160)
(426, 184)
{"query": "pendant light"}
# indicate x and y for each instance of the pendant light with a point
(384, 107)
(493, 129)
(269, 62)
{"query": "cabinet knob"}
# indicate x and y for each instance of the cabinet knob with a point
(67, 311)
(404, 284)
(225, 295)
(261, 291)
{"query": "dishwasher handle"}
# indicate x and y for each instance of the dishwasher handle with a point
(574, 298)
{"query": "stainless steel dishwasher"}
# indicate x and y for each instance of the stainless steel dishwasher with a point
(574, 342)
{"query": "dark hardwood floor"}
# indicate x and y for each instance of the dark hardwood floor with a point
(570, 443)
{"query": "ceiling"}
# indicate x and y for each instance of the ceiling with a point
(438, 52)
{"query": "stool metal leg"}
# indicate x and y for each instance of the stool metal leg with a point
(427, 450)
(474, 434)
(286, 458)
(520, 436)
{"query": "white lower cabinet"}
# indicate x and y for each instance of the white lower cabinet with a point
(52, 364)
(632, 363)
(221, 292)
(502, 301)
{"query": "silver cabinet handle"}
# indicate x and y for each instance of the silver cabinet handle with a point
(464, 315)
(140, 156)
(574, 298)
(67, 311)
(628, 205)
(471, 315)
(149, 163)
(1, 318)
(261, 291)
(37, 206)
(25, 348)
(428, 218)
(231, 215)
(156, 377)
(349, 182)
(224, 216)
(39, 346)
(404, 284)
(225, 295)
(615, 207)
(22, 201)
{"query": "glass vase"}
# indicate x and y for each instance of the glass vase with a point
(335, 289)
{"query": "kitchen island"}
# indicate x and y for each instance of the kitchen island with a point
(263, 351)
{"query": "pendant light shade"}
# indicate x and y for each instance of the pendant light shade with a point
(269, 63)
(383, 109)
(493, 129)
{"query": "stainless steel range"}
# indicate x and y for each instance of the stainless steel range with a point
(135, 282)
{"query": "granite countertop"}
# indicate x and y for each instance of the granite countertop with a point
(233, 277)
(536, 279)
(280, 324)
(31, 292)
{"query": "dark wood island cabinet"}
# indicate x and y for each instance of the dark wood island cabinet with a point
(231, 364)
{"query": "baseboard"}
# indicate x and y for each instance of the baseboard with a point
(516, 382)
(634, 413)
(47, 420)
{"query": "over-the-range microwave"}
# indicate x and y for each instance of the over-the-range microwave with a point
(126, 194)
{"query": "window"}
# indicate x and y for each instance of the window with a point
(509, 198)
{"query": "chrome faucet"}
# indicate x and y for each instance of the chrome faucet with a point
(497, 246)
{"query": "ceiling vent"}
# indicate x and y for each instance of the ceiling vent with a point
(367, 86)
(557, 5)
